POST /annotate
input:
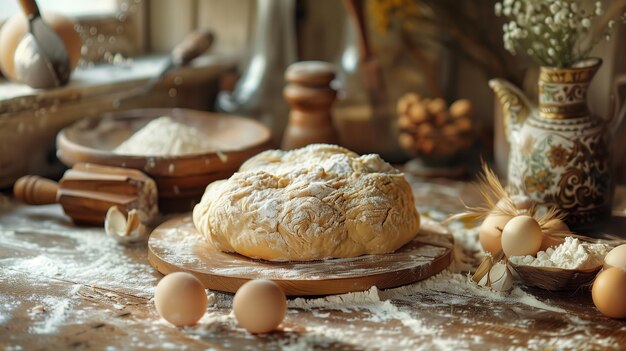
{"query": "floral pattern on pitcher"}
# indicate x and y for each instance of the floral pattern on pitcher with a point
(572, 174)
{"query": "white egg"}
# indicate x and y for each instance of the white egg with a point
(260, 306)
(180, 299)
(616, 258)
(521, 236)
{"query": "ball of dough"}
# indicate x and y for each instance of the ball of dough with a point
(320, 201)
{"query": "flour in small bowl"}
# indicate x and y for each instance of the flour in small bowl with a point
(164, 136)
(571, 254)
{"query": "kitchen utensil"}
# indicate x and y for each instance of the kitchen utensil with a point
(41, 59)
(372, 73)
(181, 180)
(428, 254)
(87, 191)
(194, 45)
(257, 93)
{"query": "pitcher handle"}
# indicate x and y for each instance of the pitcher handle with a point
(619, 105)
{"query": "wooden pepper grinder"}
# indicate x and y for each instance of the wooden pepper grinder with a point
(310, 96)
(87, 191)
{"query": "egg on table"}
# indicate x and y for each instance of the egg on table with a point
(521, 236)
(180, 299)
(260, 306)
(609, 291)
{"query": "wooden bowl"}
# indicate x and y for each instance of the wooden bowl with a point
(180, 180)
(555, 279)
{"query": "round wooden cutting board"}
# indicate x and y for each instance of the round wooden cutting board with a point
(176, 246)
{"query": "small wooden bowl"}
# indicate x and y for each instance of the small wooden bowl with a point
(180, 180)
(555, 279)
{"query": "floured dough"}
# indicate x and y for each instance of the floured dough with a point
(320, 201)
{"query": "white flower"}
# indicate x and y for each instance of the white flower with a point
(599, 10)
(498, 9)
(586, 23)
(554, 8)
(557, 28)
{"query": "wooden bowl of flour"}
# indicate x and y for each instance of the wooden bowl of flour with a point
(180, 178)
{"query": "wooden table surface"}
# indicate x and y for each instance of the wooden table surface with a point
(63, 287)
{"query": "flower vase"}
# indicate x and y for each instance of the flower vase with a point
(559, 152)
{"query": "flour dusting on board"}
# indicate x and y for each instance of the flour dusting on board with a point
(179, 245)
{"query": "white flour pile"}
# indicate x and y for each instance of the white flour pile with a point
(166, 137)
(572, 254)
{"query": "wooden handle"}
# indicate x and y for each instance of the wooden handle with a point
(30, 8)
(371, 70)
(35, 190)
(194, 45)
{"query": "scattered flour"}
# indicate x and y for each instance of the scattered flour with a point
(166, 137)
(378, 309)
(80, 255)
(56, 314)
(572, 254)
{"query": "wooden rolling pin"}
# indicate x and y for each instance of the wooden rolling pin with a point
(87, 191)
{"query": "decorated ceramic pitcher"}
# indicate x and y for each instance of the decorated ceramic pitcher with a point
(559, 151)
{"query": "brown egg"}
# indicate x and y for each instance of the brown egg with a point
(260, 306)
(521, 236)
(461, 108)
(180, 299)
(553, 226)
(490, 232)
(14, 29)
(609, 291)
(616, 258)
(436, 106)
